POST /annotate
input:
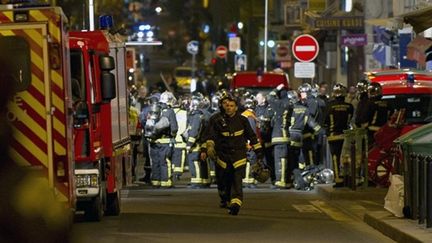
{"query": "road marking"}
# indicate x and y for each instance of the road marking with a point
(330, 211)
(306, 208)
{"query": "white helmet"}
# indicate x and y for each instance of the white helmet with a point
(167, 98)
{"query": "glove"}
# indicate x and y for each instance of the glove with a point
(211, 152)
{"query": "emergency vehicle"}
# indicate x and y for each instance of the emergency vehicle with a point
(258, 82)
(410, 93)
(69, 112)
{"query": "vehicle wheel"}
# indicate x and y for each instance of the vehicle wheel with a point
(94, 211)
(113, 204)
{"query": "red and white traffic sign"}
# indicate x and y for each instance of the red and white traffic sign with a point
(305, 48)
(221, 51)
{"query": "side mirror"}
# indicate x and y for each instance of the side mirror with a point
(108, 86)
(106, 63)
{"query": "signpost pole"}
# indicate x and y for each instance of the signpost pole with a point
(265, 35)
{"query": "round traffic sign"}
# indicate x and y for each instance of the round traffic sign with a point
(221, 51)
(305, 48)
(192, 47)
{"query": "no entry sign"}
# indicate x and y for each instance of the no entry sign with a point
(221, 51)
(305, 48)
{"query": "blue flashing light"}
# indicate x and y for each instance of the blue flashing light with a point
(106, 22)
(206, 29)
(231, 35)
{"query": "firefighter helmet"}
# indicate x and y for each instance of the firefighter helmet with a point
(249, 101)
(167, 98)
(315, 90)
(305, 88)
(259, 172)
(325, 176)
(292, 96)
(225, 95)
(339, 90)
(196, 101)
(374, 90)
(362, 86)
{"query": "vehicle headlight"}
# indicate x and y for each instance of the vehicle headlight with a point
(89, 180)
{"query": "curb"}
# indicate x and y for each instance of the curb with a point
(330, 193)
(398, 229)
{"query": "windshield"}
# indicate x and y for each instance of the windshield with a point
(418, 106)
(183, 73)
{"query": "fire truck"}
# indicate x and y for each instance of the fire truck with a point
(410, 93)
(69, 112)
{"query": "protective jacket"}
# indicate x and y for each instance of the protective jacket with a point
(338, 118)
(229, 136)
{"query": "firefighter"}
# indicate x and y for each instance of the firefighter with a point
(379, 111)
(337, 120)
(249, 113)
(279, 103)
(264, 113)
(179, 153)
(299, 121)
(311, 147)
(194, 129)
(150, 109)
(227, 134)
(162, 142)
(361, 111)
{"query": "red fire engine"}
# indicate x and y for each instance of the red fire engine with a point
(410, 93)
(69, 113)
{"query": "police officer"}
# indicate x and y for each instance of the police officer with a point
(163, 141)
(227, 133)
(337, 120)
(279, 103)
(265, 113)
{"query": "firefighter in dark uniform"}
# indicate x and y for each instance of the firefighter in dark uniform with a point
(337, 120)
(310, 141)
(280, 138)
(361, 111)
(299, 121)
(264, 113)
(162, 143)
(227, 135)
(194, 129)
(249, 113)
(378, 112)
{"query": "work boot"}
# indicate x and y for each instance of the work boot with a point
(234, 209)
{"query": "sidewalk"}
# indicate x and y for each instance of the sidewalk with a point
(398, 229)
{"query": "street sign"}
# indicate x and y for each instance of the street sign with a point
(304, 70)
(240, 62)
(234, 44)
(283, 52)
(221, 51)
(305, 48)
(192, 47)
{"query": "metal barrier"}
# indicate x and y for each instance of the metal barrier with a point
(418, 183)
(355, 149)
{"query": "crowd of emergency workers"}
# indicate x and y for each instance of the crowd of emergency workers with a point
(293, 130)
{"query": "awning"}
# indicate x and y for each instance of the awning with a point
(420, 19)
(416, 49)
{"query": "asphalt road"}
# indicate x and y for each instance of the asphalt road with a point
(188, 215)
